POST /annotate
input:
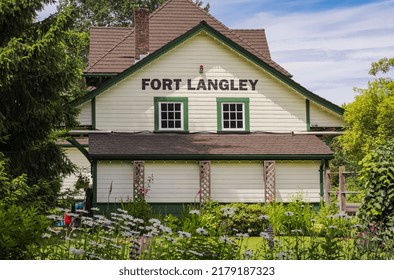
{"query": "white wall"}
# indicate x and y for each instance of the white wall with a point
(120, 173)
(81, 161)
(85, 115)
(173, 182)
(273, 106)
(294, 178)
(320, 117)
(237, 181)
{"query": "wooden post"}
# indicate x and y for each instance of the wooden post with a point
(269, 181)
(205, 181)
(327, 186)
(342, 193)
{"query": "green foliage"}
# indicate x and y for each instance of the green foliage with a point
(20, 228)
(377, 177)
(41, 71)
(370, 117)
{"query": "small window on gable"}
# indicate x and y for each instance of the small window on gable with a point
(171, 114)
(233, 114)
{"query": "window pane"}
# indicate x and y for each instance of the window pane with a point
(178, 124)
(170, 107)
(240, 124)
(163, 107)
(233, 124)
(232, 107)
(239, 116)
(225, 107)
(239, 107)
(163, 124)
(232, 116)
(177, 115)
(177, 107)
(226, 116)
(171, 124)
(170, 115)
(226, 124)
(163, 115)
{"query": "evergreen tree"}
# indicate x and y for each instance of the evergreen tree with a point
(41, 71)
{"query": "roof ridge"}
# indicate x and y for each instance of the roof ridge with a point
(108, 52)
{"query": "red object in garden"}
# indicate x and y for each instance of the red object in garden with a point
(67, 220)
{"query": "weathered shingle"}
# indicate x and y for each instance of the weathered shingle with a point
(129, 145)
(113, 51)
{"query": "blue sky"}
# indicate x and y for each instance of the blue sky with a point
(328, 46)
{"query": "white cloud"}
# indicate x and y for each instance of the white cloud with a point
(330, 51)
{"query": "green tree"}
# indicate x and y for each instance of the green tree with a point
(41, 71)
(377, 178)
(370, 116)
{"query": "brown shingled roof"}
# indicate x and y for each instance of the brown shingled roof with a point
(169, 21)
(209, 146)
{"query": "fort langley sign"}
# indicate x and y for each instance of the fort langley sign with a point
(200, 85)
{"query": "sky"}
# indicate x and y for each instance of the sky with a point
(327, 45)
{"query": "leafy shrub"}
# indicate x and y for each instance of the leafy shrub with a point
(377, 178)
(20, 228)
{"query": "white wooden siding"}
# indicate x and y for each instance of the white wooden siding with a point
(173, 182)
(85, 115)
(82, 163)
(297, 178)
(237, 181)
(273, 106)
(120, 173)
(320, 117)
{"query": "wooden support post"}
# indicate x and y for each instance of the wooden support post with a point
(342, 193)
(327, 186)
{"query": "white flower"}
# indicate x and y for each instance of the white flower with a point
(95, 209)
(195, 212)
(332, 227)
(313, 220)
(196, 253)
(121, 211)
(289, 214)
(138, 220)
(265, 235)
(46, 235)
(242, 235)
(82, 211)
(228, 211)
(248, 254)
(154, 221)
(296, 231)
(184, 234)
(77, 252)
(225, 239)
(281, 255)
(202, 231)
(54, 217)
(264, 217)
(166, 229)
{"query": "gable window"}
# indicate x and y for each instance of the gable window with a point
(171, 114)
(233, 114)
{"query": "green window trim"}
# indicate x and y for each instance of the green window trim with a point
(185, 117)
(245, 102)
(308, 115)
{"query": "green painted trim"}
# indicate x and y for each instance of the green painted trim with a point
(94, 177)
(80, 147)
(220, 101)
(321, 170)
(72, 146)
(93, 112)
(203, 26)
(185, 102)
(210, 157)
(308, 115)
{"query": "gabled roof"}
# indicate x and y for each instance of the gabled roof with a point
(169, 21)
(205, 27)
(206, 146)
